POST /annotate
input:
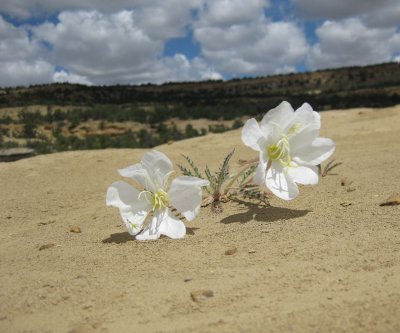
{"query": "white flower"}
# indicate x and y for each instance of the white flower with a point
(152, 173)
(289, 147)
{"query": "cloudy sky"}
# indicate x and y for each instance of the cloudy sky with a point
(141, 41)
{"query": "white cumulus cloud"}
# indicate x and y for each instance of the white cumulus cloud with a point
(26, 9)
(226, 13)
(126, 41)
(350, 42)
(24, 73)
(21, 61)
(339, 9)
(382, 13)
(113, 48)
(249, 43)
(64, 76)
(97, 45)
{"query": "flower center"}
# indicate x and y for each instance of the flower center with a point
(159, 199)
(280, 151)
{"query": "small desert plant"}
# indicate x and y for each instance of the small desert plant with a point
(225, 186)
(328, 168)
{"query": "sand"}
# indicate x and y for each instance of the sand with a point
(328, 261)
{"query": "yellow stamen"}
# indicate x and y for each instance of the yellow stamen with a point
(280, 151)
(159, 199)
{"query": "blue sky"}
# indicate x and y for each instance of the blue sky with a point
(156, 41)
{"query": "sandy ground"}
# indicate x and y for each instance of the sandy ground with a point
(328, 261)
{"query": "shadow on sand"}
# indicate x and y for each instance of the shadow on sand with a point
(263, 213)
(124, 237)
(119, 237)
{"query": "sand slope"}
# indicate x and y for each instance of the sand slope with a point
(328, 261)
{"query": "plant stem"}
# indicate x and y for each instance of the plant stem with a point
(237, 175)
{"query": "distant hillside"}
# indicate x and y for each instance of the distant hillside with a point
(370, 86)
(58, 117)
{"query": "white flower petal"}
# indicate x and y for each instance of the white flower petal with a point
(260, 173)
(185, 194)
(305, 116)
(306, 175)
(163, 223)
(158, 167)
(152, 231)
(280, 183)
(133, 210)
(302, 140)
(304, 128)
(279, 116)
(252, 135)
(146, 235)
(139, 174)
(320, 150)
(171, 226)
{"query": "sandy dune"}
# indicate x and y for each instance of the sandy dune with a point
(328, 261)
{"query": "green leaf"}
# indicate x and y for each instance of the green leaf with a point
(246, 174)
(223, 173)
(193, 166)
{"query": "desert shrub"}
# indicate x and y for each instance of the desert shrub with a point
(237, 124)
(145, 138)
(5, 120)
(9, 144)
(190, 131)
(29, 130)
(40, 146)
(218, 128)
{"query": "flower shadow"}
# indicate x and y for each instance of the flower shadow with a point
(263, 214)
(124, 237)
(190, 231)
(118, 238)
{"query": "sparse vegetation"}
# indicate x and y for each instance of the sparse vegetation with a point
(329, 167)
(224, 185)
(52, 129)
(88, 117)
